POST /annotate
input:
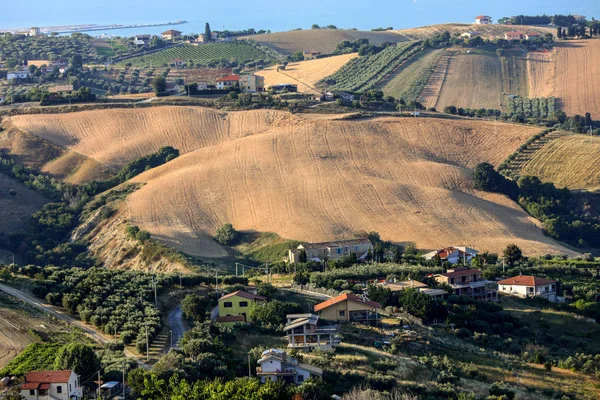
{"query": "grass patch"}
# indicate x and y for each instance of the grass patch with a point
(35, 357)
(264, 247)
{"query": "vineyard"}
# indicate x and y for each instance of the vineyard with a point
(542, 107)
(206, 55)
(362, 73)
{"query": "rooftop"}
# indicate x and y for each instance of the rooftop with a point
(398, 286)
(48, 376)
(459, 272)
(246, 295)
(61, 88)
(346, 297)
(229, 78)
(526, 280)
(336, 243)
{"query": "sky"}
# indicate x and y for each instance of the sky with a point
(281, 15)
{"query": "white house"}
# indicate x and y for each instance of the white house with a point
(228, 82)
(276, 364)
(529, 286)
(453, 254)
(56, 385)
(304, 332)
(331, 250)
(17, 75)
(483, 20)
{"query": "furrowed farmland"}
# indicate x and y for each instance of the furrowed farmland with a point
(362, 73)
(206, 54)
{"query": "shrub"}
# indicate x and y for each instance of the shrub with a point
(226, 234)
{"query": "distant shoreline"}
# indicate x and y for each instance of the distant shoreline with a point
(65, 29)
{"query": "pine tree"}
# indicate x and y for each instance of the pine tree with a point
(559, 32)
(207, 33)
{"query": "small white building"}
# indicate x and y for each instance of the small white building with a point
(17, 75)
(56, 385)
(453, 254)
(529, 286)
(483, 20)
(228, 82)
(276, 364)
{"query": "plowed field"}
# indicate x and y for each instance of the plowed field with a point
(306, 179)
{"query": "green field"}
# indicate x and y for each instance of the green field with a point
(401, 80)
(203, 54)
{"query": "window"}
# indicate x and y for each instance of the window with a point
(300, 378)
(243, 304)
(339, 250)
(228, 304)
(59, 389)
(356, 248)
(452, 281)
(32, 392)
(342, 313)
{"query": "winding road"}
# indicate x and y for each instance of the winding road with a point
(64, 316)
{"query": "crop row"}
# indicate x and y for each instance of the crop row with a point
(362, 73)
(415, 90)
(542, 107)
(203, 54)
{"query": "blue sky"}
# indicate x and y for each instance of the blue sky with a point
(284, 15)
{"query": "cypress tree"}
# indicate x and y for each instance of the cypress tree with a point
(207, 33)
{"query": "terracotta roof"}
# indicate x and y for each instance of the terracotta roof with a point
(346, 297)
(171, 31)
(49, 376)
(461, 272)
(30, 385)
(61, 88)
(336, 243)
(231, 318)
(229, 78)
(525, 280)
(246, 295)
(482, 16)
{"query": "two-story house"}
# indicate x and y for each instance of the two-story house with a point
(228, 82)
(469, 282)
(276, 364)
(56, 385)
(235, 307)
(331, 250)
(529, 286)
(171, 34)
(349, 307)
(252, 83)
(304, 332)
(483, 20)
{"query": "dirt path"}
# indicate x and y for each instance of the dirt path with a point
(177, 326)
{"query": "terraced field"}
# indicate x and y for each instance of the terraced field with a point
(401, 80)
(202, 54)
(304, 179)
(577, 77)
(321, 40)
(569, 161)
(479, 80)
(305, 74)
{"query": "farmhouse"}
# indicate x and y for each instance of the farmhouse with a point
(513, 36)
(200, 38)
(304, 333)
(468, 282)
(61, 89)
(579, 18)
(143, 38)
(178, 62)
(35, 31)
(311, 55)
(331, 250)
(529, 286)
(228, 82)
(237, 304)
(276, 364)
(252, 83)
(57, 385)
(17, 75)
(349, 307)
(532, 36)
(171, 34)
(483, 20)
(453, 254)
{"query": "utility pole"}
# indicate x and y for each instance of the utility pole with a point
(123, 381)
(147, 343)
(180, 285)
(155, 298)
(249, 368)
(236, 269)
(217, 283)
(99, 383)
(171, 332)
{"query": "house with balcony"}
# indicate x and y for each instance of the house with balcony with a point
(56, 385)
(529, 286)
(331, 250)
(234, 308)
(171, 34)
(469, 282)
(228, 82)
(349, 307)
(252, 83)
(304, 333)
(276, 364)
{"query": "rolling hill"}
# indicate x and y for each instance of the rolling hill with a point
(17, 204)
(305, 74)
(568, 161)
(485, 31)
(305, 179)
(321, 40)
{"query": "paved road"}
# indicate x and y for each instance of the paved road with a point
(175, 320)
(62, 315)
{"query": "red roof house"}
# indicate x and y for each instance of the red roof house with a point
(348, 307)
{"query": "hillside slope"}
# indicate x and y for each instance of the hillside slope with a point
(569, 161)
(485, 31)
(17, 204)
(306, 179)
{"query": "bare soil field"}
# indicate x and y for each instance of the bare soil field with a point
(540, 74)
(485, 31)
(569, 161)
(479, 80)
(305, 74)
(404, 77)
(17, 204)
(321, 40)
(577, 77)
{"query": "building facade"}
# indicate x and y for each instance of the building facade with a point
(237, 304)
(349, 307)
(453, 254)
(331, 250)
(529, 286)
(276, 364)
(252, 83)
(228, 82)
(483, 20)
(469, 282)
(17, 75)
(304, 332)
(171, 34)
(55, 385)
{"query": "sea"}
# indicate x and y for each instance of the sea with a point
(277, 15)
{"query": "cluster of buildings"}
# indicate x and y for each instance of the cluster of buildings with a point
(331, 250)
(23, 74)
